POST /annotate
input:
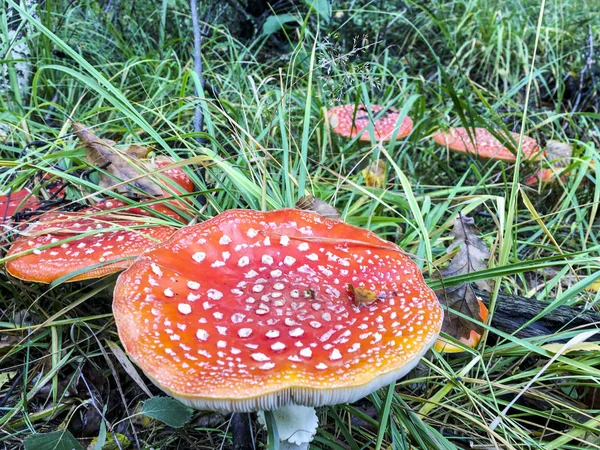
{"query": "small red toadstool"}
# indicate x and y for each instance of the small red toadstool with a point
(255, 311)
(483, 144)
(15, 202)
(350, 122)
(117, 235)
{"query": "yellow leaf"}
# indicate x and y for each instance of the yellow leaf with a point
(584, 346)
(374, 174)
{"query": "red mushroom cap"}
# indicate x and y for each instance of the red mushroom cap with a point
(253, 310)
(483, 144)
(349, 124)
(117, 235)
(15, 202)
(176, 174)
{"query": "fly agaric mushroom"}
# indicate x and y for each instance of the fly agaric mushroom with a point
(443, 346)
(108, 235)
(253, 311)
(350, 122)
(483, 144)
(15, 202)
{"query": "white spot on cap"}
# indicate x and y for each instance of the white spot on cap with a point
(237, 318)
(277, 346)
(184, 308)
(284, 240)
(214, 294)
(257, 288)
(321, 366)
(199, 256)
(217, 264)
(244, 332)
(168, 292)
(222, 330)
(243, 261)
(306, 352)
(335, 354)
(272, 334)
(289, 260)
(193, 285)
(260, 357)
(156, 269)
(303, 246)
(193, 297)
(251, 274)
(266, 366)
(218, 315)
(296, 332)
(278, 286)
(252, 233)
(37, 252)
(267, 259)
(276, 273)
(222, 344)
(313, 257)
(225, 240)
(202, 335)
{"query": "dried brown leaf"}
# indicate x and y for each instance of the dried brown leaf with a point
(123, 164)
(362, 296)
(311, 203)
(559, 153)
(471, 257)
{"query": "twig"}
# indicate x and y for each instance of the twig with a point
(198, 67)
(589, 62)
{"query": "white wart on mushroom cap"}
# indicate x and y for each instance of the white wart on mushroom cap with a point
(252, 310)
(348, 123)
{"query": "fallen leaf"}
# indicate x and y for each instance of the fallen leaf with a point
(374, 174)
(473, 253)
(559, 153)
(583, 347)
(311, 203)
(362, 296)
(471, 257)
(122, 164)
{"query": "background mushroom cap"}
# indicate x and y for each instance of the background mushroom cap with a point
(346, 123)
(483, 144)
(17, 201)
(251, 310)
(131, 233)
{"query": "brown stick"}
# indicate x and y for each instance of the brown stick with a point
(512, 312)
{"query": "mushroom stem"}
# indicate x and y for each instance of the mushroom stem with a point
(296, 425)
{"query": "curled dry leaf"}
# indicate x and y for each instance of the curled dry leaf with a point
(471, 257)
(362, 296)
(123, 165)
(311, 203)
(374, 174)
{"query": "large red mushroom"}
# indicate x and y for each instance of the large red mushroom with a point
(483, 144)
(350, 121)
(93, 242)
(259, 311)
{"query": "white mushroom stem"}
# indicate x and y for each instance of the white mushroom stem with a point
(296, 426)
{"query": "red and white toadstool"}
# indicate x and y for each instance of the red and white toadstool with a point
(257, 311)
(107, 235)
(348, 121)
(19, 201)
(483, 144)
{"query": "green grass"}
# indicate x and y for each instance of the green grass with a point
(446, 63)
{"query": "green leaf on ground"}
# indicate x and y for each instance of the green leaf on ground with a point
(167, 410)
(57, 440)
